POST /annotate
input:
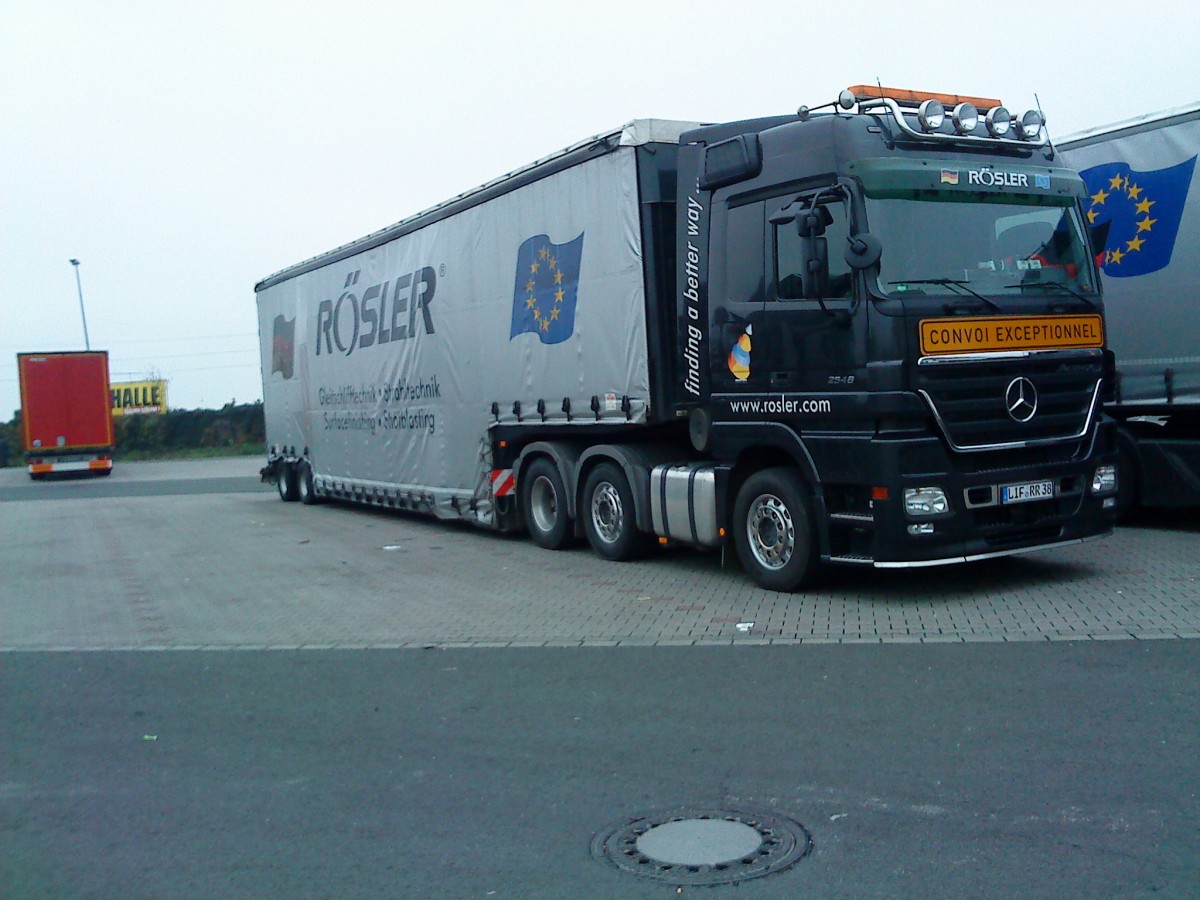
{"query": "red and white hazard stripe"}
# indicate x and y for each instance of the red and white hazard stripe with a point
(503, 482)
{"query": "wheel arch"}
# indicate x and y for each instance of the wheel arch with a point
(565, 457)
(766, 445)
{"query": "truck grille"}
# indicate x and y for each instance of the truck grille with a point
(968, 400)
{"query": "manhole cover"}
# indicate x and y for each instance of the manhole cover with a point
(703, 846)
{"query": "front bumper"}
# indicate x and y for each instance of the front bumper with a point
(979, 523)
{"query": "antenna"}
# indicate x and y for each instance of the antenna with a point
(1045, 124)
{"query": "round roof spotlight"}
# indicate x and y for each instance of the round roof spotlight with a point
(931, 114)
(846, 100)
(999, 121)
(965, 117)
(1029, 128)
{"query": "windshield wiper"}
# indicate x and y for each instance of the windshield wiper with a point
(950, 282)
(1052, 285)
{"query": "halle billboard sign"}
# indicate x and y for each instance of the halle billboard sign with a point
(133, 398)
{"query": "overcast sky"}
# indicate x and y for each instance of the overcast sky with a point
(184, 151)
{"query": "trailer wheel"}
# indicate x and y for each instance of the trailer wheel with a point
(304, 484)
(544, 505)
(773, 530)
(608, 514)
(285, 482)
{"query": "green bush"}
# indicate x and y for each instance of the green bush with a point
(233, 429)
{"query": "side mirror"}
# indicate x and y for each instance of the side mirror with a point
(863, 251)
(816, 265)
(812, 223)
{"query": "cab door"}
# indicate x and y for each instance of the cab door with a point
(809, 339)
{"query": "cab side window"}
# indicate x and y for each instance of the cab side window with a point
(744, 254)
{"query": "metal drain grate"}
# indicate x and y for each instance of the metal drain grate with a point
(703, 846)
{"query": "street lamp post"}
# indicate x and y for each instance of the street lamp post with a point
(83, 315)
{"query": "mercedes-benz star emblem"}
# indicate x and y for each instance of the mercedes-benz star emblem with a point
(1021, 399)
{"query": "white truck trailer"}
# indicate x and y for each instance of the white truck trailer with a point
(1143, 207)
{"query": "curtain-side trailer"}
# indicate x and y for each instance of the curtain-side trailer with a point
(1143, 206)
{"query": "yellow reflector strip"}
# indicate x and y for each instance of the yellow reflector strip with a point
(989, 334)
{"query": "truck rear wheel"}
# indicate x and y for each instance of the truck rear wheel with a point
(773, 530)
(544, 505)
(608, 514)
(285, 482)
(304, 484)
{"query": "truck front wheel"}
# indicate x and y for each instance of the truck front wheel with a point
(773, 530)
(608, 518)
(544, 504)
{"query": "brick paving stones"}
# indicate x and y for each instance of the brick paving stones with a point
(230, 571)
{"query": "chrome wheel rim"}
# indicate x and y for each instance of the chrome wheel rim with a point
(772, 531)
(607, 512)
(543, 504)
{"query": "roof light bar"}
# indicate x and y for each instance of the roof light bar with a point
(931, 115)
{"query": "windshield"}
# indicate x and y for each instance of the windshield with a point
(1002, 249)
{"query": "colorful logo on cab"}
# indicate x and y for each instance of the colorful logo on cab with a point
(739, 356)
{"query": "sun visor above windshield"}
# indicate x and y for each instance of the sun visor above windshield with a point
(958, 181)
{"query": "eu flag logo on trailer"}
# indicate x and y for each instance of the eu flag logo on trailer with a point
(547, 286)
(1138, 214)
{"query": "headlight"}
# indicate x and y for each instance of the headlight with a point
(965, 117)
(1104, 481)
(931, 114)
(1030, 125)
(999, 121)
(925, 501)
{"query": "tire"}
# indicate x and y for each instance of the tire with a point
(304, 485)
(285, 482)
(544, 505)
(774, 532)
(608, 514)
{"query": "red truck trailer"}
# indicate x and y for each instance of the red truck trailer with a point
(66, 412)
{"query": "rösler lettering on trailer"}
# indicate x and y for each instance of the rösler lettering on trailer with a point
(386, 312)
